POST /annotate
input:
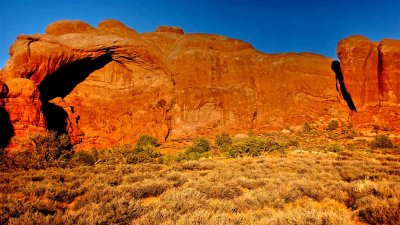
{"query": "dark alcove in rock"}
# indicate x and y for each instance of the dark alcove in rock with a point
(61, 83)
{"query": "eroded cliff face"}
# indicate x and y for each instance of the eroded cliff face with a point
(372, 76)
(108, 85)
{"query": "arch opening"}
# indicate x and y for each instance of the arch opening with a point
(60, 84)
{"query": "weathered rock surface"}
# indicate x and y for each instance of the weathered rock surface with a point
(170, 29)
(68, 26)
(108, 85)
(372, 76)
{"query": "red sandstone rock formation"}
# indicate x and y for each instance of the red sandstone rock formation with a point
(371, 74)
(108, 85)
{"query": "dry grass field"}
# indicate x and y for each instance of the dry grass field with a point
(327, 177)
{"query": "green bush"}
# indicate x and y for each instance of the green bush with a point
(147, 140)
(252, 146)
(145, 150)
(381, 141)
(200, 146)
(333, 125)
(223, 139)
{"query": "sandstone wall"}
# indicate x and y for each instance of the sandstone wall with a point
(108, 85)
(372, 76)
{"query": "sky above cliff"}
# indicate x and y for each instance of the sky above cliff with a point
(270, 26)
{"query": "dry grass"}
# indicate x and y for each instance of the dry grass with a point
(305, 184)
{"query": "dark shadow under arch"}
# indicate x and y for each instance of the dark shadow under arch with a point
(339, 78)
(6, 128)
(61, 83)
(65, 79)
(56, 117)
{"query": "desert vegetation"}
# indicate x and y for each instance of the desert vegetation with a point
(334, 176)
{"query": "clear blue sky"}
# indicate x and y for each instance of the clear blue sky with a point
(270, 26)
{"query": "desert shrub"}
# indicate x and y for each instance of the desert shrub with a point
(85, 158)
(306, 211)
(167, 159)
(306, 127)
(381, 141)
(149, 188)
(333, 136)
(42, 150)
(349, 132)
(223, 139)
(333, 125)
(219, 190)
(147, 140)
(334, 148)
(375, 210)
(232, 151)
(145, 150)
(200, 146)
(290, 142)
(147, 153)
(51, 147)
(141, 157)
(252, 146)
(189, 155)
(130, 154)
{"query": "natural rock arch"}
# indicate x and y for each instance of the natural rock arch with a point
(60, 84)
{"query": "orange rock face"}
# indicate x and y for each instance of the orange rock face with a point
(68, 26)
(109, 85)
(371, 74)
(169, 29)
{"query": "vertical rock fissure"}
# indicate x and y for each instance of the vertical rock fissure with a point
(380, 78)
(339, 79)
